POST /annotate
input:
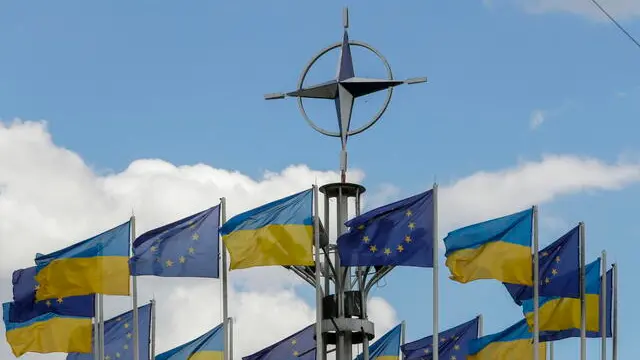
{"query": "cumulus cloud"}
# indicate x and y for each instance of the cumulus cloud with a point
(621, 9)
(50, 198)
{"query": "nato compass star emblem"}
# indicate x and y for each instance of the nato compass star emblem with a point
(344, 89)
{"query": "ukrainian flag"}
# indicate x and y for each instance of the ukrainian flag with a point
(209, 346)
(513, 343)
(278, 233)
(48, 333)
(387, 347)
(495, 249)
(563, 313)
(99, 265)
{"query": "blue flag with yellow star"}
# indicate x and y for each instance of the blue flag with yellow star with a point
(398, 234)
(299, 346)
(189, 247)
(556, 263)
(118, 337)
(24, 306)
(453, 343)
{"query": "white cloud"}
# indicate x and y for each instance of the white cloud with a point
(537, 118)
(620, 9)
(484, 195)
(50, 198)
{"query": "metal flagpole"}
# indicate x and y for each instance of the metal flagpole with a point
(551, 350)
(101, 327)
(227, 351)
(583, 306)
(614, 334)
(230, 320)
(96, 329)
(134, 296)
(536, 287)
(403, 332)
(319, 294)
(480, 325)
(603, 307)
(436, 244)
(153, 329)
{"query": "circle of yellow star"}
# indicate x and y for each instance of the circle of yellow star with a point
(387, 251)
(407, 239)
(182, 259)
(373, 248)
(168, 263)
(195, 237)
(400, 248)
(365, 239)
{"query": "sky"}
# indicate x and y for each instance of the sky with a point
(157, 107)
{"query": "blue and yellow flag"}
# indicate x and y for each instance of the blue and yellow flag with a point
(186, 248)
(118, 337)
(399, 234)
(555, 262)
(99, 265)
(278, 233)
(513, 343)
(47, 333)
(496, 249)
(25, 307)
(387, 347)
(575, 332)
(562, 313)
(299, 346)
(453, 343)
(209, 346)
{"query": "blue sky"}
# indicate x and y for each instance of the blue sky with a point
(184, 82)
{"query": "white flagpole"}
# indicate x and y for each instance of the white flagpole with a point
(614, 334)
(134, 297)
(153, 330)
(436, 245)
(318, 278)
(583, 306)
(96, 328)
(227, 350)
(536, 288)
(603, 307)
(101, 327)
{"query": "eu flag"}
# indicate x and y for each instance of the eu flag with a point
(399, 234)
(556, 263)
(25, 307)
(118, 337)
(186, 248)
(453, 343)
(299, 346)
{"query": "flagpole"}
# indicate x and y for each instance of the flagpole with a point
(101, 327)
(227, 350)
(230, 320)
(536, 287)
(316, 240)
(96, 328)
(480, 325)
(153, 329)
(583, 306)
(614, 334)
(403, 332)
(134, 297)
(436, 244)
(551, 350)
(603, 307)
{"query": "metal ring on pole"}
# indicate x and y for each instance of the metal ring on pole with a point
(374, 119)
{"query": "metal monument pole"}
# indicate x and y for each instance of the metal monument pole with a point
(344, 312)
